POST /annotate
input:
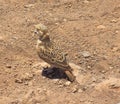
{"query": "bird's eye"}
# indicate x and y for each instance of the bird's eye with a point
(36, 32)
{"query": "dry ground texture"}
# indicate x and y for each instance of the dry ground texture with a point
(89, 30)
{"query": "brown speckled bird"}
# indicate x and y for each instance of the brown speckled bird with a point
(50, 52)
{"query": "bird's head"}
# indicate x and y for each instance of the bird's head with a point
(42, 31)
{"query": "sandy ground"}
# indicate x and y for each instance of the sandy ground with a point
(89, 30)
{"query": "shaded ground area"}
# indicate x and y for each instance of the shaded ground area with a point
(89, 30)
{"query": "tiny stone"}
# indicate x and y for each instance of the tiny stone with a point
(60, 86)
(57, 23)
(56, 19)
(25, 83)
(110, 67)
(8, 66)
(103, 71)
(86, 54)
(115, 49)
(84, 88)
(114, 21)
(74, 90)
(94, 79)
(18, 81)
(43, 77)
(1, 38)
(64, 20)
(101, 27)
(116, 31)
(68, 83)
(80, 90)
(29, 5)
(86, 1)
(89, 67)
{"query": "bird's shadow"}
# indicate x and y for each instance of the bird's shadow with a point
(54, 73)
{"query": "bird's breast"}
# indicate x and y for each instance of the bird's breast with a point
(39, 46)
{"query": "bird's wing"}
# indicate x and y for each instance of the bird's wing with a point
(55, 57)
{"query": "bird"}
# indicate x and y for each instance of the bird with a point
(50, 51)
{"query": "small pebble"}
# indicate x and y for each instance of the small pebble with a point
(1, 38)
(8, 66)
(101, 27)
(64, 20)
(86, 54)
(103, 71)
(116, 31)
(67, 83)
(74, 90)
(89, 67)
(115, 49)
(86, 1)
(110, 67)
(80, 90)
(114, 21)
(93, 79)
(29, 5)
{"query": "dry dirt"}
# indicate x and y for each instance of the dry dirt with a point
(89, 30)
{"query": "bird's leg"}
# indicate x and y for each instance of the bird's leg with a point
(70, 76)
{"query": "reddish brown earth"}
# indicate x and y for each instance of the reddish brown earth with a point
(89, 30)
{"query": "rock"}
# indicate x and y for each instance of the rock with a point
(29, 5)
(110, 67)
(1, 38)
(114, 49)
(94, 79)
(86, 1)
(18, 81)
(80, 90)
(40, 90)
(116, 31)
(8, 66)
(67, 83)
(114, 21)
(86, 54)
(65, 20)
(101, 27)
(89, 67)
(75, 89)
